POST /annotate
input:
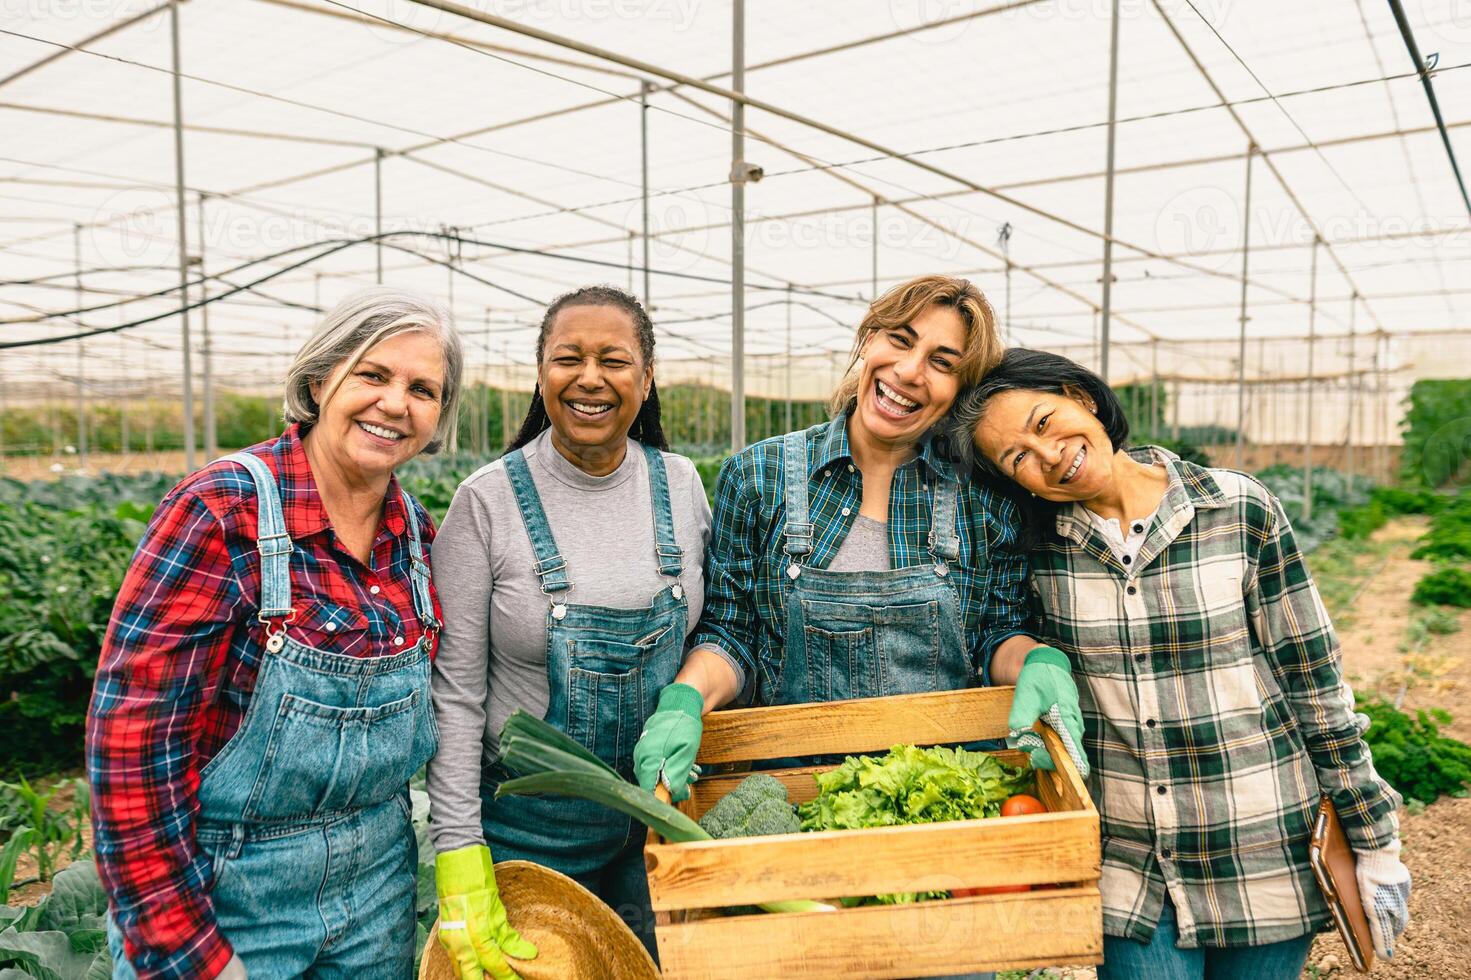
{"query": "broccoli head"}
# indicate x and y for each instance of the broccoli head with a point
(755, 808)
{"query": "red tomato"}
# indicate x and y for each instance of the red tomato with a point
(994, 890)
(1022, 803)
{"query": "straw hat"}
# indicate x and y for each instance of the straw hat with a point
(577, 937)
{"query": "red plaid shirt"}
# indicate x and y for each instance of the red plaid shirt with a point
(178, 667)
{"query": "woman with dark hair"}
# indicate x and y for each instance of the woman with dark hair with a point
(847, 560)
(1212, 689)
(572, 569)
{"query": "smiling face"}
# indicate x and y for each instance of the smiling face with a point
(386, 408)
(1052, 445)
(593, 383)
(908, 379)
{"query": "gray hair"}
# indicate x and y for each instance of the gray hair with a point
(353, 327)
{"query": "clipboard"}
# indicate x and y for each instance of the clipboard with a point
(1333, 865)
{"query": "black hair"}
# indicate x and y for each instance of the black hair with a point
(1024, 369)
(647, 427)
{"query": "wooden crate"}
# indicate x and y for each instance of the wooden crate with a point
(688, 882)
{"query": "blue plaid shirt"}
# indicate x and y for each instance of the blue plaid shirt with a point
(745, 588)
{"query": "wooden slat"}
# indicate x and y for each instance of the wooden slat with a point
(999, 932)
(1070, 792)
(867, 725)
(1045, 848)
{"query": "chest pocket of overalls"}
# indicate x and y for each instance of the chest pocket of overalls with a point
(320, 758)
(860, 651)
(609, 692)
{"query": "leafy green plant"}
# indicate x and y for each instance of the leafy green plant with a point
(52, 831)
(1447, 587)
(1413, 756)
(60, 571)
(10, 855)
(1437, 433)
(1449, 537)
(64, 937)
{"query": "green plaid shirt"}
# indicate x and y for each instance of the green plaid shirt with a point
(1214, 711)
(745, 588)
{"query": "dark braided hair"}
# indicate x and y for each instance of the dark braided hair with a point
(647, 427)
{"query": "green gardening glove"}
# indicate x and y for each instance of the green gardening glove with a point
(472, 920)
(1045, 691)
(671, 737)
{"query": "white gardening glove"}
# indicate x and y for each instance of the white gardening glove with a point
(1384, 888)
(234, 970)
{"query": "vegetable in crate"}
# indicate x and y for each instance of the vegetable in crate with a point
(757, 807)
(912, 785)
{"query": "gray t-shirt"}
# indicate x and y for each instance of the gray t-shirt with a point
(865, 549)
(492, 655)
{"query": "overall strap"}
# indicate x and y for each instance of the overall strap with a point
(550, 567)
(419, 568)
(944, 542)
(271, 539)
(798, 529)
(670, 555)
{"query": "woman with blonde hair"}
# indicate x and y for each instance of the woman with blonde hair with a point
(263, 694)
(847, 560)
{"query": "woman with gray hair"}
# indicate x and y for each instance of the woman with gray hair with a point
(263, 693)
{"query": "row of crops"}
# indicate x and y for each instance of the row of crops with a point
(64, 547)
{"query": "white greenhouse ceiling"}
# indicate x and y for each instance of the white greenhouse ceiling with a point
(988, 116)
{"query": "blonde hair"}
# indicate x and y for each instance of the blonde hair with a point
(351, 329)
(901, 304)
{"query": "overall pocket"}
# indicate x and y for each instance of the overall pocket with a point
(321, 758)
(606, 696)
(841, 664)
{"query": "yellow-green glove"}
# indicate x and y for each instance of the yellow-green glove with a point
(472, 920)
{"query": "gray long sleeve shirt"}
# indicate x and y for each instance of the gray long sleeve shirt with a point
(492, 655)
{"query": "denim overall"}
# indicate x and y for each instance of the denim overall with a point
(868, 634)
(605, 669)
(304, 813)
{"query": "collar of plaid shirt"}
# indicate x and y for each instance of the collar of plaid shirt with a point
(1191, 488)
(301, 501)
(833, 446)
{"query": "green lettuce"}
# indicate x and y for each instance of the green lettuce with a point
(912, 785)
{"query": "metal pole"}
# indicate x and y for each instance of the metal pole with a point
(4, 414)
(1003, 238)
(1175, 411)
(874, 272)
(738, 230)
(1113, 110)
(1384, 433)
(789, 359)
(1153, 386)
(1241, 346)
(1353, 388)
(485, 399)
(378, 210)
(81, 355)
(211, 443)
(1307, 437)
(183, 234)
(126, 401)
(643, 135)
(506, 429)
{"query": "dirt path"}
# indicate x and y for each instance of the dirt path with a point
(1385, 655)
